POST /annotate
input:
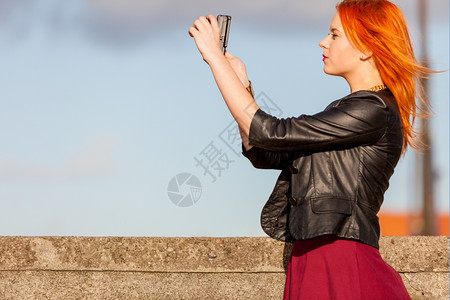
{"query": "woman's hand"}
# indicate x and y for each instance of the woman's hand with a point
(206, 34)
(238, 67)
(228, 71)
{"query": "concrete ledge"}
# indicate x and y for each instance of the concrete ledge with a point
(138, 285)
(187, 268)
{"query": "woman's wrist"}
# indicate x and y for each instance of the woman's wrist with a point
(216, 58)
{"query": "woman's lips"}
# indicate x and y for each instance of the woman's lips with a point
(324, 57)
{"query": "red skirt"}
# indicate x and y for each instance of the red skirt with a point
(329, 267)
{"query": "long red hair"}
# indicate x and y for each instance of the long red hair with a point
(379, 26)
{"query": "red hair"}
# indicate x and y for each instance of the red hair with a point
(379, 26)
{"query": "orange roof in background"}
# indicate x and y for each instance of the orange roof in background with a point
(398, 224)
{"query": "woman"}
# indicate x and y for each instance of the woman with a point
(335, 164)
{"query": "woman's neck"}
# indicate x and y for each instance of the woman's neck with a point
(366, 78)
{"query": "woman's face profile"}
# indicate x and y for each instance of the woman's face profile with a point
(340, 57)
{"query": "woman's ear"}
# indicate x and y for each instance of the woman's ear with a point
(365, 55)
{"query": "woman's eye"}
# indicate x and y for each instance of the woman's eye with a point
(333, 35)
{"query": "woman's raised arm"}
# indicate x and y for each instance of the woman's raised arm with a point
(227, 72)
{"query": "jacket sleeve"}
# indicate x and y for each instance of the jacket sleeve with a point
(267, 159)
(351, 122)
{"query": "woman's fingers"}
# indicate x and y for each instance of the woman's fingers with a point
(229, 56)
(200, 25)
(192, 31)
(213, 21)
(205, 32)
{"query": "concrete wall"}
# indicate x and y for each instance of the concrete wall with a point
(187, 268)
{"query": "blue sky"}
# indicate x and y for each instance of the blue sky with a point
(104, 103)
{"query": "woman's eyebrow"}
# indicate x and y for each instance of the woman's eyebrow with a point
(334, 30)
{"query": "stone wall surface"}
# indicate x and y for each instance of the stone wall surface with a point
(187, 268)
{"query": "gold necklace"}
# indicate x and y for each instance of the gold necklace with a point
(378, 88)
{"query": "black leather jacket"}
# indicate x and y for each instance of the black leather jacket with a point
(335, 167)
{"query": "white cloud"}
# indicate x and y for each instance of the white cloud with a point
(96, 157)
(130, 21)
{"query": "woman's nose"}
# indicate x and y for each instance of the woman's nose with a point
(323, 43)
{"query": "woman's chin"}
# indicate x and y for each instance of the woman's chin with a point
(327, 71)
